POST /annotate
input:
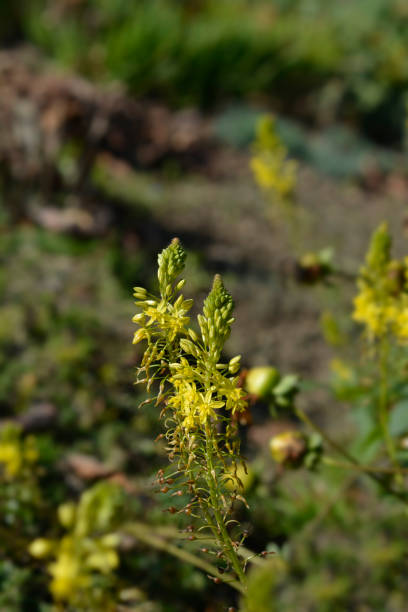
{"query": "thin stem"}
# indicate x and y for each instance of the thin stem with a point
(222, 534)
(335, 446)
(383, 415)
(146, 534)
(384, 484)
(363, 468)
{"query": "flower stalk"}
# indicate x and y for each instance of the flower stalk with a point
(200, 399)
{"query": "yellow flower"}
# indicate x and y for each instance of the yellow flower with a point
(369, 312)
(269, 164)
(275, 173)
(382, 303)
(67, 575)
(193, 406)
(10, 455)
(234, 395)
(382, 313)
(103, 560)
(207, 406)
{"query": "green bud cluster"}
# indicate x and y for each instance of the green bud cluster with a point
(215, 323)
(171, 263)
(379, 252)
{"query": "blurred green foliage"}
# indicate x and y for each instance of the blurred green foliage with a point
(65, 308)
(318, 59)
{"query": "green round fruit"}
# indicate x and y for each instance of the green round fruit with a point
(260, 381)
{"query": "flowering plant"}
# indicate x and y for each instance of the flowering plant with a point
(200, 398)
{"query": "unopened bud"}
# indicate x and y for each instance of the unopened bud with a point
(261, 380)
(288, 448)
(66, 514)
(40, 548)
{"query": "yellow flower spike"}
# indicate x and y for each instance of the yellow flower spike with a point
(382, 302)
(194, 388)
(272, 171)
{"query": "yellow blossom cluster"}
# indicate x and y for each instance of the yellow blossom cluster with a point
(197, 385)
(75, 562)
(84, 552)
(382, 302)
(272, 169)
(197, 402)
(17, 454)
(389, 314)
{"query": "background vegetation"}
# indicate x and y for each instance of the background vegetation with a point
(177, 88)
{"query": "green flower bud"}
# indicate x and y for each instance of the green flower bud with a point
(260, 381)
(139, 292)
(215, 325)
(379, 250)
(171, 263)
(189, 347)
(395, 279)
(192, 335)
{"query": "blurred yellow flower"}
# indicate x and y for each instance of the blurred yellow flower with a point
(10, 455)
(15, 452)
(272, 169)
(382, 302)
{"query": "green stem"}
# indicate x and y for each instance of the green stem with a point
(145, 534)
(383, 483)
(362, 468)
(221, 533)
(383, 415)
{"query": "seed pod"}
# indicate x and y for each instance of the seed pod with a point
(288, 448)
(261, 380)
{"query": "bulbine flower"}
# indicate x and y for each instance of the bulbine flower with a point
(198, 393)
(382, 302)
(272, 170)
(86, 552)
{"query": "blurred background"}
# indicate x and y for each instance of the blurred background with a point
(125, 123)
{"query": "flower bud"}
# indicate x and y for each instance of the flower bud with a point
(288, 448)
(261, 380)
(171, 264)
(192, 335)
(139, 335)
(66, 514)
(40, 548)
